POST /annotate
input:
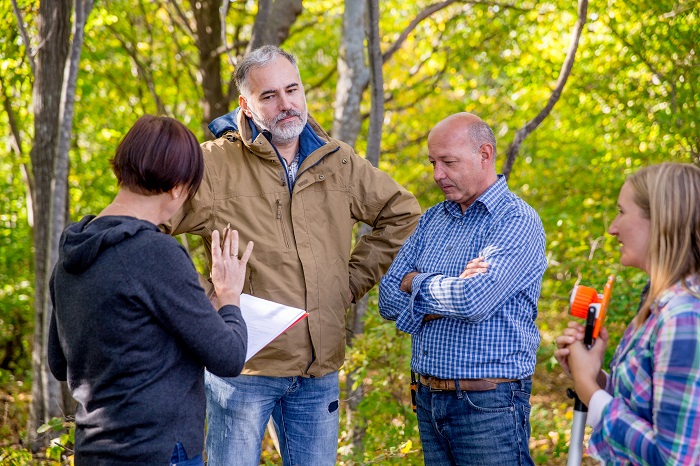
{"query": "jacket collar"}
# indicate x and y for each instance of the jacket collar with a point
(490, 199)
(312, 138)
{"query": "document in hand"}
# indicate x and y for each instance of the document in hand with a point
(266, 320)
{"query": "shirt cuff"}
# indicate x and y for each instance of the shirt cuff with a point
(411, 319)
(599, 401)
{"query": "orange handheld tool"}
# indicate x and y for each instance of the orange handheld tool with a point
(586, 303)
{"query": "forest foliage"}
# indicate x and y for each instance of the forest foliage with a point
(633, 98)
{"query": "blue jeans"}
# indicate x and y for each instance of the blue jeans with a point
(304, 412)
(476, 428)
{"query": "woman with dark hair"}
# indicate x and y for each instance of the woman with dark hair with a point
(646, 411)
(132, 329)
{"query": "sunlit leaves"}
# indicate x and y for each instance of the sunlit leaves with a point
(633, 98)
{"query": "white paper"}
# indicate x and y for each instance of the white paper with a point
(266, 320)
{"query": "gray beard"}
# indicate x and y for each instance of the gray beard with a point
(281, 135)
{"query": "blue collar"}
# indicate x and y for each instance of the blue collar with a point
(489, 199)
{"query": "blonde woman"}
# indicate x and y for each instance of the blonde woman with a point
(646, 410)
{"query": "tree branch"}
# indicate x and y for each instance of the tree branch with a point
(531, 125)
(25, 36)
(429, 11)
(143, 71)
(14, 129)
(184, 19)
(331, 72)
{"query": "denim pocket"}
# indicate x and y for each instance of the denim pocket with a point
(491, 401)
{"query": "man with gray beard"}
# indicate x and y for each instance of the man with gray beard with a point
(277, 177)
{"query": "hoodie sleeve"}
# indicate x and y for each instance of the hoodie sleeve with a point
(57, 359)
(217, 339)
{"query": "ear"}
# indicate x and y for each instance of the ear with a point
(177, 192)
(486, 153)
(243, 103)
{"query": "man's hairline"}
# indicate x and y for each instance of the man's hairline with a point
(245, 84)
(467, 133)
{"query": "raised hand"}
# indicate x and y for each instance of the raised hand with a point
(228, 271)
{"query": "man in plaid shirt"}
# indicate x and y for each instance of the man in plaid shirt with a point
(473, 328)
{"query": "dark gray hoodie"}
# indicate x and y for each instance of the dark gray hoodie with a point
(131, 332)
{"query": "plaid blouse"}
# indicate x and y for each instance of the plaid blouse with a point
(654, 415)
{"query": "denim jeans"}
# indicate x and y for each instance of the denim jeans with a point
(476, 428)
(304, 412)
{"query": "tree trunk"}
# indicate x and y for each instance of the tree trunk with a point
(376, 60)
(352, 73)
(272, 24)
(347, 122)
(53, 23)
(208, 40)
(273, 21)
(53, 120)
(353, 77)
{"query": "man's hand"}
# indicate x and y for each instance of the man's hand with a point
(407, 282)
(474, 267)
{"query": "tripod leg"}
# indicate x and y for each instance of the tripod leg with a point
(576, 445)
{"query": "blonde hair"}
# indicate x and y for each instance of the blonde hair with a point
(669, 196)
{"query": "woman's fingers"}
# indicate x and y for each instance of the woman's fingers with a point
(233, 239)
(226, 252)
(246, 254)
(215, 245)
(576, 325)
(564, 340)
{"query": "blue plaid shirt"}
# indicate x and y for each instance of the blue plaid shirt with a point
(488, 329)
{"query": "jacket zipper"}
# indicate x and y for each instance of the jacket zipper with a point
(284, 228)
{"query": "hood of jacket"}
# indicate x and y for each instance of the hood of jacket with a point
(224, 124)
(83, 242)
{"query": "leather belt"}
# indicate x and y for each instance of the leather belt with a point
(467, 385)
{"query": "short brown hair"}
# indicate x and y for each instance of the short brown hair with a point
(157, 154)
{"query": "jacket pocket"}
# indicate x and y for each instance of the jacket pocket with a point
(283, 227)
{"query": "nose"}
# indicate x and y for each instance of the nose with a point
(612, 229)
(285, 102)
(438, 173)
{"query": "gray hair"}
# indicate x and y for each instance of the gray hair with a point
(481, 133)
(258, 58)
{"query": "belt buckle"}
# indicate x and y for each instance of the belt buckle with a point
(433, 389)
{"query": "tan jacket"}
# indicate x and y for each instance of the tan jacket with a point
(302, 255)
